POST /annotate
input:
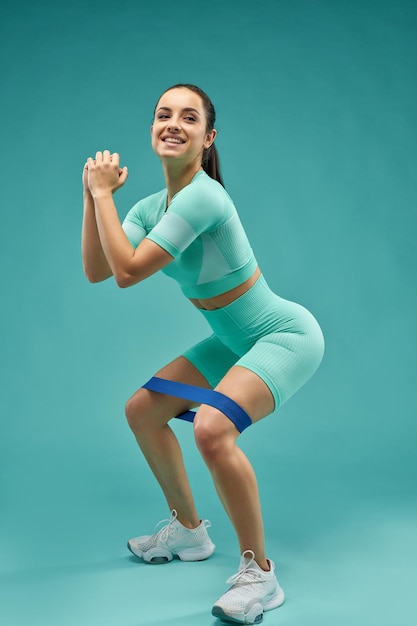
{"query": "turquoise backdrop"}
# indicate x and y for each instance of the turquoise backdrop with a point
(316, 103)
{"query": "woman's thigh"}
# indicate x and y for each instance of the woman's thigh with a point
(159, 407)
(250, 392)
(212, 358)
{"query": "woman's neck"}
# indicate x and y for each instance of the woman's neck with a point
(178, 178)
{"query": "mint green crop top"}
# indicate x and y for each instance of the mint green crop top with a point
(201, 230)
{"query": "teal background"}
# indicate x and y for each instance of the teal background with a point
(316, 104)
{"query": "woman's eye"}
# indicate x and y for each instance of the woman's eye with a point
(162, 116)
(190, 118)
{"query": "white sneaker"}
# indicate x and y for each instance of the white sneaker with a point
(253, 591)
(174, 540)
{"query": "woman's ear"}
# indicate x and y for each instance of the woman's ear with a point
(210, 137)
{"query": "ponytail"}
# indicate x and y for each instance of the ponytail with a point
(211, 164)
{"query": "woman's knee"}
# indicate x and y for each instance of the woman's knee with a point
(148, 410)
(137, 411)
(214, 433)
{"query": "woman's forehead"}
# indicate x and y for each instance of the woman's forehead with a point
(181, 98)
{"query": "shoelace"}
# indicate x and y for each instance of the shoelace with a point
(245, 573)
(169, 529)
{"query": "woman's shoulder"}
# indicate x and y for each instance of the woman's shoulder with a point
(202, 180)
(203, 203)
(205, 190)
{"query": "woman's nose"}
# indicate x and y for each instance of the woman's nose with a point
(174, 126)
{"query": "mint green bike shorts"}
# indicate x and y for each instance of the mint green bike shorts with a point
(277, 339)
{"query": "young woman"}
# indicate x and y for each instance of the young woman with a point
(261, 350)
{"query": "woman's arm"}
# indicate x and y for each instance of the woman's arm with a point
(94, 260)
(128, 266)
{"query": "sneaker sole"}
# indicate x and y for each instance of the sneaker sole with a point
(155, 557)
(255, 615)
(256, 612)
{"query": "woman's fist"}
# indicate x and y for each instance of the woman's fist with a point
(103, 174)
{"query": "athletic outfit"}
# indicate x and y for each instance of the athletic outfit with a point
(277, 339)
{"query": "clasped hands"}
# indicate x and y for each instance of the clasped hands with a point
(103, 175)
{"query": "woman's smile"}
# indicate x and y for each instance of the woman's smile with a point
(173, 139)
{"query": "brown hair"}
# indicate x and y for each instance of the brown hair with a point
(210, 162)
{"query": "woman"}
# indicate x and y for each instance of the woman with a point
(261, 350)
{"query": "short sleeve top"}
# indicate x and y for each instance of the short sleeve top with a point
(201, 230)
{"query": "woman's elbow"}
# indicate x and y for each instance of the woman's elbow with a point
(125, 280)
(96, 279)
(93, 276)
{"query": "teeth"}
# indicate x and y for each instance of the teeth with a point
(172, 140)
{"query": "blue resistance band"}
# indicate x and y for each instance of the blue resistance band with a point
(218, 400)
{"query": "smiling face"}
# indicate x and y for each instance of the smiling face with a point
(179, 130)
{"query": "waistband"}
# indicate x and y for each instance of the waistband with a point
(241, 309)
